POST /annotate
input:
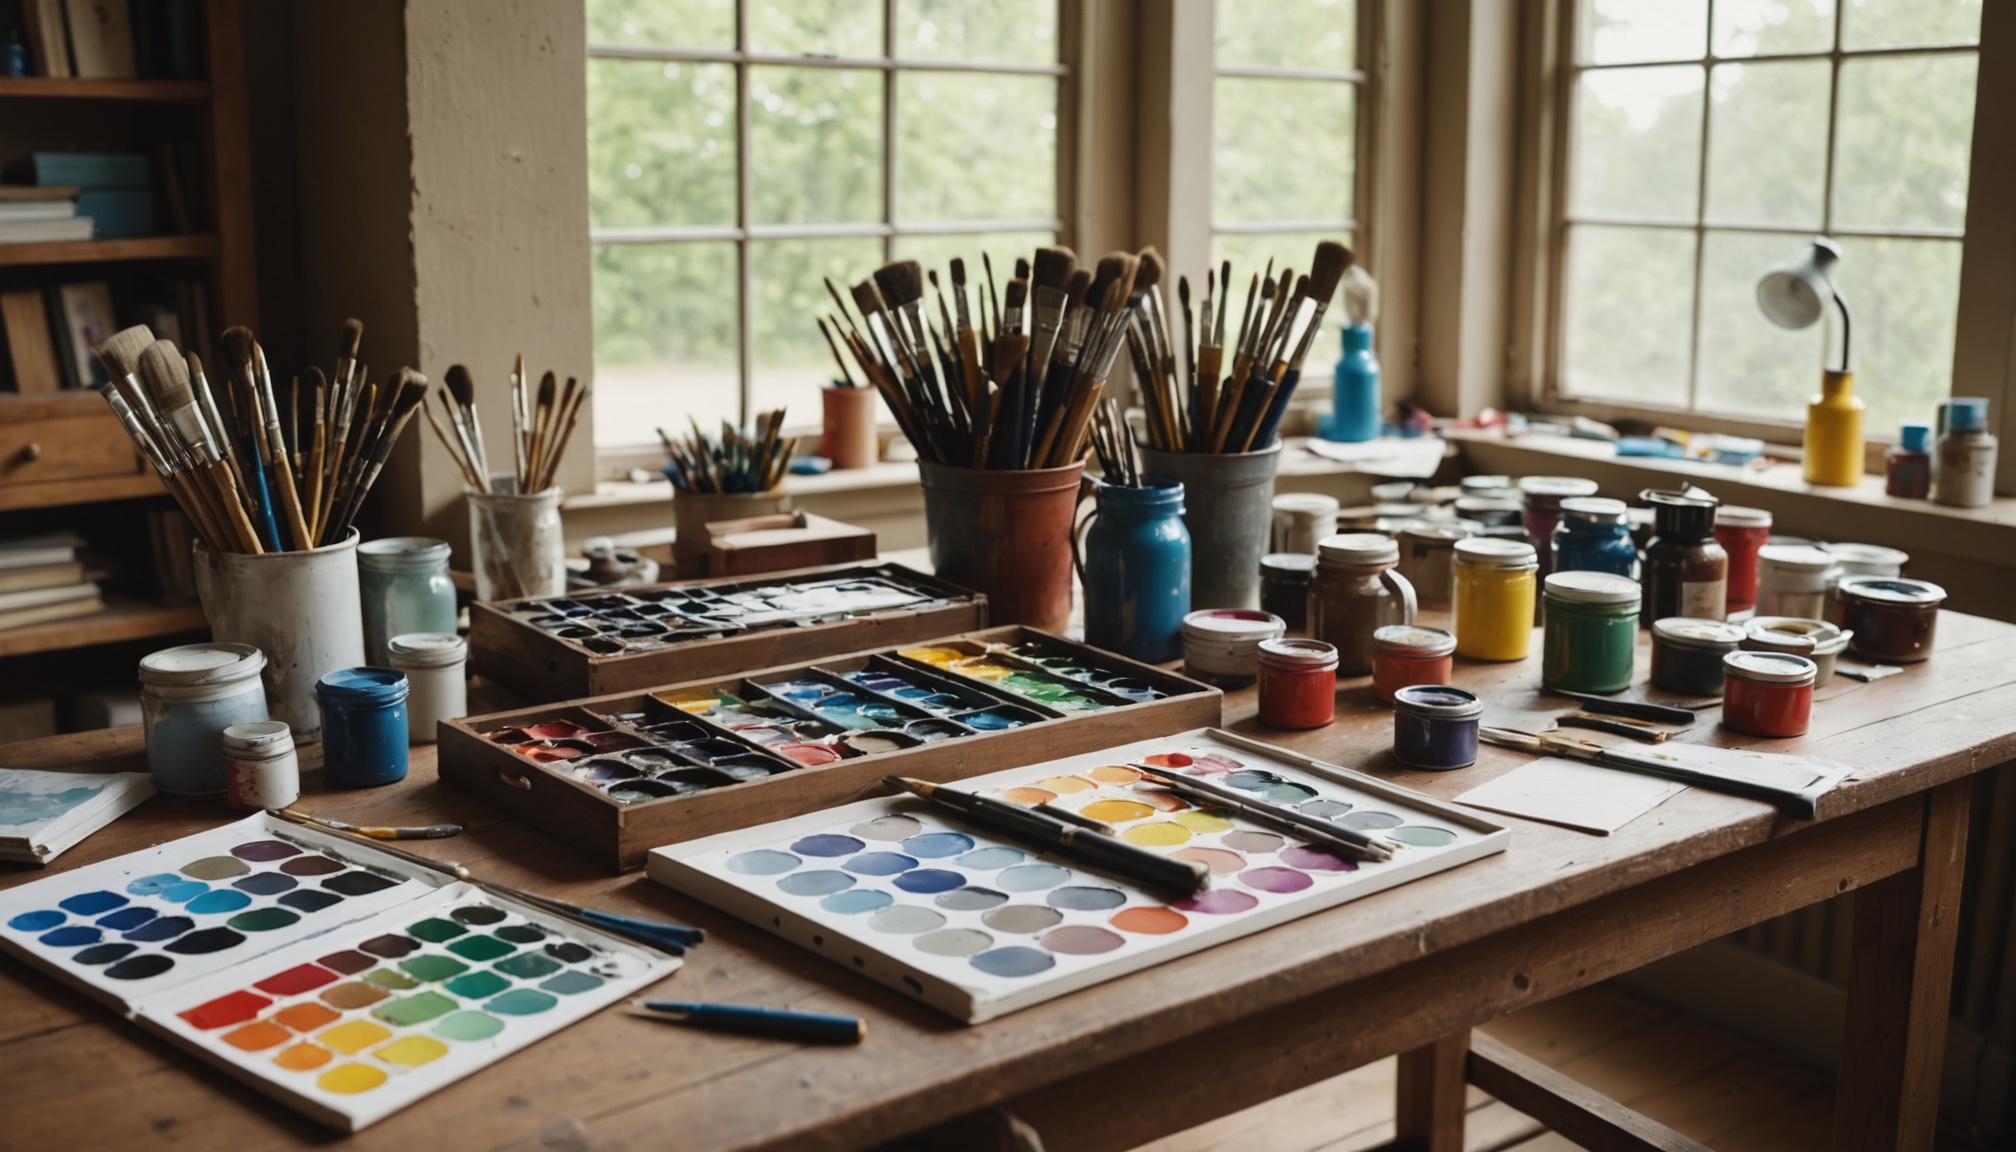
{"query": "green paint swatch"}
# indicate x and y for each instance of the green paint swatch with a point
(412, 1010)
(568, 983)
(387, 978)
(521, 1002)
(262, 919)
(432, 967)
(520, 933)
(477, 985)
(469, 1026)
(434, 930)
(480, 947)
(529, 966)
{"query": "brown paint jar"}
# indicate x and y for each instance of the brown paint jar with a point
(1355, 592)
(1893, 620)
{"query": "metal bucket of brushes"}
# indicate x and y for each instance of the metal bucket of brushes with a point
(1006, 534)
(301, 609)
(516, 546)
(1229, 509)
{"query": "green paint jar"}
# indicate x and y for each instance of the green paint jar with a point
(1591, 637)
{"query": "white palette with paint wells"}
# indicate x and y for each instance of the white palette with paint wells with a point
(978, 924)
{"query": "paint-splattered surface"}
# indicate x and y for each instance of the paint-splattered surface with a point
(979, 924)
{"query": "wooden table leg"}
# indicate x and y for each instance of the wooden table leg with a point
(1430, 1096)
(1899, 977)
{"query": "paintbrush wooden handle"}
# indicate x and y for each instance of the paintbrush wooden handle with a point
(225, 485)
(290, 497)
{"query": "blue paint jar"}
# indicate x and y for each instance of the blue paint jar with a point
(1594, 537)
(1355, 403)
(1435, 726)
(188, 696)
(363, 726)
(1135, 564)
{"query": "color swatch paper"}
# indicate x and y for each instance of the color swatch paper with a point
(1572, 794)
(44, 813)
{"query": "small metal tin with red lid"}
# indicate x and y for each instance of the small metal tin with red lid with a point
(1767, 693)
(1298, 683)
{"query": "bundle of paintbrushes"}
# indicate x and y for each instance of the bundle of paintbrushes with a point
(1192, 403)
(250, 479)
(541, 429)
(1113, 443)
(739, 460)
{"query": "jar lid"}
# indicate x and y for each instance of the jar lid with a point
(1893, 590)
(1479, 485)
(1413, 640)
(1797, 557)
(1697, 632)
(427, 650)
(1306, 502)
(1797, 634)
(1873, 555)
(1552, 488)
(1480, 507)
(1394, 492)
(259, 736)
(1288, 565)
(402, 553)
(1299, 653)
(1496, 552)
(1736, 517)
(362, 686)
(1438, 702)
(1966, 414)
(1594, 509)
(200, 665)
(1911, 437)
(1359, 548)
(1592, 588)
(1232, 624)
(1769, 667)
(1433, 533)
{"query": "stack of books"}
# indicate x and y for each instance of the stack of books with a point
(111, 193)
(34, 215)
(41, 579)
(114, 39)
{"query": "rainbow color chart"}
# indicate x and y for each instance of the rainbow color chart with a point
(978, 925)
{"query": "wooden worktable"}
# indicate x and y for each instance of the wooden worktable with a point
(1409, 970)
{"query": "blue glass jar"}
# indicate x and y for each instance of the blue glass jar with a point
(1593, 537)
(403, 582)
(1355, 404)
(363, 726)
(188, 696)
(1135, 564)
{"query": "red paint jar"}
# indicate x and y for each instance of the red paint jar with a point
(1298, 683)
(1404, 655)
(1741, 532)
(1767, 693)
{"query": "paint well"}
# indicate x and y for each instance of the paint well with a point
(856, 902)
(348, 962)
(1022, 919)
(265, 883)
(226, 1010)
(1028, 797)
(215, 868)
(40, 920)
(391, 946)
(350, 1079)
(296, 980)
(477, 985)
(762, 862)
(352, 995)
(1422, 836)
(1116, 811)
(355, 1036)
(1219, 860)
(1252, 843)
(71, 936)
(971, 899)
(306, 1016)
(264, 851)
(412, 1051)
(1370, 821)
(906, 920)
(257, 1036)
(417, 1009)
(571, 983)
(311, 866)
(206, 940)
(1161, 834)
(528, 966)
(880, 863)
(926, 881)
(104, 953)
(222, 900)
(161, 928)
(302, 1057)
(387, 978)
(888, 828)
(569, 951)
(521, 1002)
(91, 903)
(1218, 902)
(1204, 822)
(989, 859)
(140, 967)
(1066, 785)
(1013, 961)
(1323, 808)
(827, 844)
(1150, 920)
(263, 919)
(435, 930)
(481, 948)
(519, 933)
(824, 882)
(1086, 898)
(1114, 774)
(469, 1026)
(1161, 801)
(310, 900)
(933, 845)
(1031, 877)
(1082, 940)
(431, 968)
(478, 914)
(1279, 881)
(954, 942)
(358, 883)
(1316, 860)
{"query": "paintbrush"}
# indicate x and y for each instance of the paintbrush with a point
(1793, 788)
(471, 480)
(290, 496)
(1301, 825)
(1326, 271)
(411, 392)
(371, 831)
(1050, 275)
(775, 1023)
(167, 376)
(459, 397)
(570, 407)
(1109, 853)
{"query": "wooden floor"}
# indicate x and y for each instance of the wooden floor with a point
(1727, 1091)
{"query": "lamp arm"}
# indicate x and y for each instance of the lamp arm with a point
(1841, 302)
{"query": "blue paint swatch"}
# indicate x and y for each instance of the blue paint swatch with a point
(92, 903)
(858, 901)
(929, 880)
(40, 920)
(880, 863)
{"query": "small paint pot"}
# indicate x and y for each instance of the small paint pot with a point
(1794, 581)
(1816, 640)
(1406, 654)
(1687, 653)
(260, 768)
(877, 741)
(434, 663)
(1284, 587)
(1767, 693)
(364, 726)
(188, 696)
(1222, 645)
(1435, 726)
(810, 755)
(1742, 532)
(1591, 637)
(1298, 683)
(1892, 621)
(1869, 560)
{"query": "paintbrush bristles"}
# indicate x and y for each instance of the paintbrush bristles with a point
(901, 282)
(121, 351)
(1327, 269)
(350, 339)
(1053, 267)
(1150, 269)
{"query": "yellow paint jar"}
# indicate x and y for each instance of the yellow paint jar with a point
(1496, 582)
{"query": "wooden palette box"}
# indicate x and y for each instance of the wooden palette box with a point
(553, 795)
(505, 647)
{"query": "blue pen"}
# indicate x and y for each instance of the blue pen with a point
(778, 1023)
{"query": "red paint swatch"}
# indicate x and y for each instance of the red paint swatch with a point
(296, 980)
(231, 1008)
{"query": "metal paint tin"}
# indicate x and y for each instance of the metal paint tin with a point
(1687, 653)
(1816, 640)
(1893, 621)
(1435, 727)
(1767, 693)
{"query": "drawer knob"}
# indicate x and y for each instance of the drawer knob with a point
(31, 452)
(515, 780)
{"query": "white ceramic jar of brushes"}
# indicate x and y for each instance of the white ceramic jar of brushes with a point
(516, 546)
(436, 666)
(302, 609)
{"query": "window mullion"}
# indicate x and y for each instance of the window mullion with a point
(745, 120)
(1700, 219)
(889, 113)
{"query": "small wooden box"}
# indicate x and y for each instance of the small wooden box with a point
(619, 835)
(504, 647)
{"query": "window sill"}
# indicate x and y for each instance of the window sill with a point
(623, 493)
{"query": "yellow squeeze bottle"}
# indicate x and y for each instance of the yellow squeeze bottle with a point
(1834, 432)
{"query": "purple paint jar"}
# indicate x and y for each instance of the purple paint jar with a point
(1435, 726)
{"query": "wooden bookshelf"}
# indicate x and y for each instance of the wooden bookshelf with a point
(124, 618)
(200, 247)
(71, 88)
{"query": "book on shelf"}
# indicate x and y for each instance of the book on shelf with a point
(44, 613)
(45, 231)
(48, 42)
(117, 213)
(39, 551)
(115, 39)
(101, 39)
(41, 576)
(31, 350)
(82, 170)
(37, 597)
(88, 321)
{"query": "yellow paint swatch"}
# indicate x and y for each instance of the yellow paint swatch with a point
(354, 1037)
(1116, 811)
(1066, 785)
(1114, 774)
(412, 1051)
(1160, 834)
(351, 1079)
(1202, 822)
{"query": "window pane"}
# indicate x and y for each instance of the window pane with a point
(1636, 31)
(1903, 140)
(1630, 298)
(1911, 23)
(661, 143)
(815, 145)
(1749, 365)
(663, 23)
(791, 359)
(1773, 27)
(976, 146)
(1305, 34)
(1249, 253)
(665, 323)
(1767, 142)
(1284, 150)
(816, 27)
(998, 31)
(1637, 143)
(1904, 296)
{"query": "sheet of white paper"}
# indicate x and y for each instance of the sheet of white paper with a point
(1408, 458)
(1585, 797)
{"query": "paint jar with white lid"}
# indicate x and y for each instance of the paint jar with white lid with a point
(435, 664)
(1794, 580)
(404, 583)
(1221, 646)
(260, 767)
(188, 696)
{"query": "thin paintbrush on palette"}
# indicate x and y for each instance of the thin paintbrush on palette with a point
(978, 924)
(336, 977)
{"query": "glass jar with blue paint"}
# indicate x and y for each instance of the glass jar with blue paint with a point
(188, 696)
(1134, 561)
(1435, 726)
(363, 726)
(404, 584)
(1593, 536)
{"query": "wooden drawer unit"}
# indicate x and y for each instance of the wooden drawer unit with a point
(66, 448)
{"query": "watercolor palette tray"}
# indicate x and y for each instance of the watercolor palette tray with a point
(619, 775)
(978, 925)
(629, 638)
(347, 1012)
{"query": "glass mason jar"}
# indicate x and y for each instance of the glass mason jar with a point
(1357, 591)
(1496, 591)
(1592, 536)
(405, 588)
(1136, 570)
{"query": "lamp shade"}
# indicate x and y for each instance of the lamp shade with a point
(1797, 294)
